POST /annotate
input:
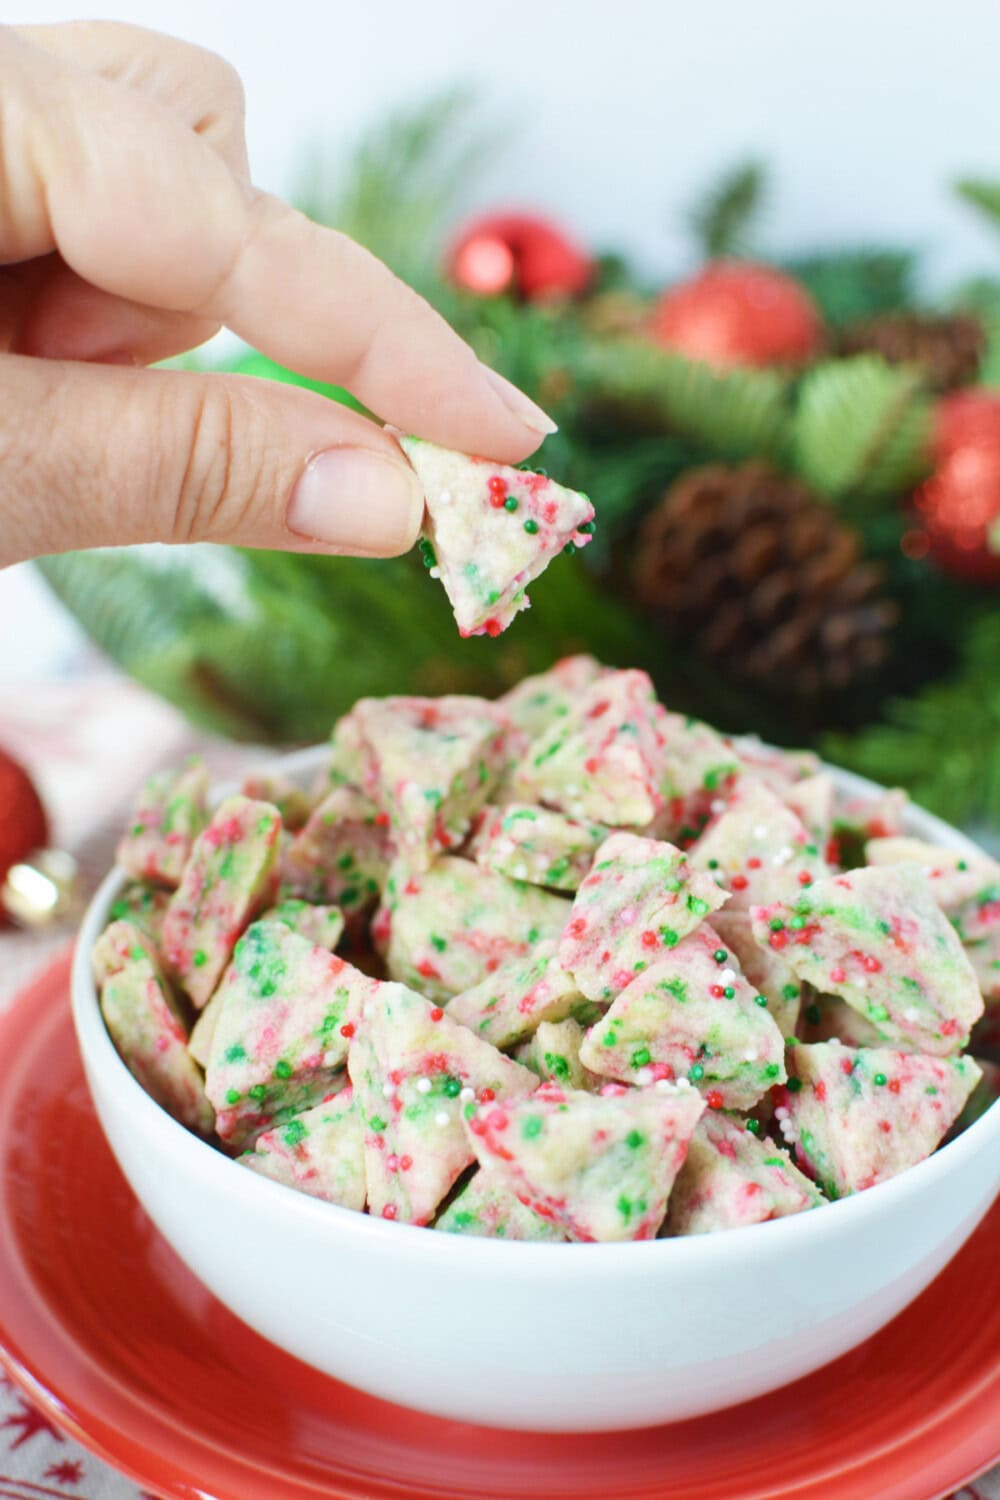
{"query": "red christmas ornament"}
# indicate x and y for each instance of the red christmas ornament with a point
(958, 507)
(24, 826)
(736, 313)
(518, 253)
(37, 884)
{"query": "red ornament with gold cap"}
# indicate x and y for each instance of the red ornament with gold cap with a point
(37, 883)
(522, 254)
(958, 508)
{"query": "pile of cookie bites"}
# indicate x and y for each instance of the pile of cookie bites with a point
(565, 966)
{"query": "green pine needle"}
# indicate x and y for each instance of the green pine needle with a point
(862, 428)
(982, 195)
(944, 744)
(722, 219)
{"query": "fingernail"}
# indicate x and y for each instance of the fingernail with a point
(519, 405)
(356, 500)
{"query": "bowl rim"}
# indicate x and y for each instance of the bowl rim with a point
(629, 1257)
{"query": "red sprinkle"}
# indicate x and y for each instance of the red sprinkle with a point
(389, 1212)
(577, 927)
(753, 863)
(739, 882)
(497, 1119)
(347, 1029)
(492, 626)
(872, 965)
(837, 975)
(382, 820)
(820, 1089)
(713, 1099)
(405, 1163)
(717, 990)
(649, 939)
(779, 939)
(486, 1096)
(437, 1013)
(427, 971)
(805, 878)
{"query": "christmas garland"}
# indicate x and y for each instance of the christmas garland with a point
(796, 468)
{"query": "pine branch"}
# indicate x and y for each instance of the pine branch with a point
(944, 744)
(985, 196)
(856, 283)
(401, 185)
(721, 221)
(862, 428)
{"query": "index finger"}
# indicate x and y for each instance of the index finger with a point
(140, 206)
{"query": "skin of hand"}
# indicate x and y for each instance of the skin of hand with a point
(130, 231)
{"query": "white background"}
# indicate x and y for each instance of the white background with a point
(617, 115)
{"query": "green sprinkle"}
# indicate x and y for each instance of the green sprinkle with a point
(729, 992)
(427, 552)
(587, 528)
(377, 1123)
(510, 503)
(282, 1069)
(138, 828)
(608, 1039)
(640, 1057)
(790, 991)
(772, 1070)
(258, 1093)
(962, 865)
(634, 1139)
(532, 1127)
(754, 1127)
(697, 905)
(236, 1053)
(199, 958)
(233, 1096)
(669, 936)
(797, 923)
(713, 864)
(624, 1206)
(794, 1085)
(776, 924)
(671, 883)
(773, 1161)
(696, 1072)
(569, 549)
(760, 1000)
(345, 861)
(531, 526)
(438, 943)
(294, 1132)
(931, 1089)
(720, 955)
(880, 1079)
(453, 1087)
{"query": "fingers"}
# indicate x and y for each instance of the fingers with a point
(64, 317)
(190, 237)
(100, 456)
(199, 87)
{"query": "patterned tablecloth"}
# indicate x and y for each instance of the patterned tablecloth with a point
(88, 743)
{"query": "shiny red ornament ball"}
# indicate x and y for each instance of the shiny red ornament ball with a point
(23, 824)
(518, 253)
(737, 313)
(958, 507)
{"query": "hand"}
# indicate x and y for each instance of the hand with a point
(129, 231)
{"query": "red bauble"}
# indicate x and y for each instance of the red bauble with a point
(736, 313)
(518, 253)
(958, 507)
(23, 824)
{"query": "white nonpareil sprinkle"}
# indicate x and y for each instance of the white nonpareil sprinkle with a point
(445, 497)
(909, 1014)
(434, 572)
(760, 832)
(664, 1083)
(571, 789)
(627, 917)
(442, 1118)
(781, 1113)
(643, 1077)
(728, 976)
(388, 1090)
(424, 1085)
(750, 1055)
(520, 872)
(784, 854)
(684, 1083)
(717, 805)
(504, 846)
(467, 1095)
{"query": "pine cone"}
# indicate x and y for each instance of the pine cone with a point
(764, 579)
(949, 349)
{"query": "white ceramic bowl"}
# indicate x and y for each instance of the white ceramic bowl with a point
(538, 1336)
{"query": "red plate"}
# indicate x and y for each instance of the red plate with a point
(104, 1328)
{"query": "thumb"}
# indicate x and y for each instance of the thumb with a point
(98, 456)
